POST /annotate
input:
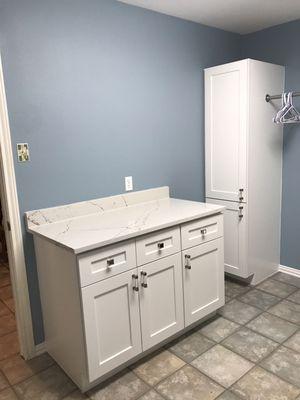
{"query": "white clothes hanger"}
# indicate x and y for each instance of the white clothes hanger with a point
(291, 115)
(283, 109)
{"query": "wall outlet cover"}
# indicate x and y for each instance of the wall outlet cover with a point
(23, 152)
(128, 183)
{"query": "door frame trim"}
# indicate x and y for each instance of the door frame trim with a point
(15, 247)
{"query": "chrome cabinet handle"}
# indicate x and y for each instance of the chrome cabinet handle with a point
(241, 198)
(110, 262)
(144, 283)
(187, 261)
(241, 215)
(136, 282)
(203, 231)
(160, 245)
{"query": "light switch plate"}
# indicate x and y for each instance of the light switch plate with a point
(23, 152)
(128, 183)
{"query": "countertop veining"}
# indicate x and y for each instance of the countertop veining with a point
(107, 225)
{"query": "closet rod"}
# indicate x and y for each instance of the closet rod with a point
(278, 96)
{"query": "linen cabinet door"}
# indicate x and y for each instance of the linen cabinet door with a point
(203, 280)
(226, 112)
(161, 300)
(112, 322)
(235, 237)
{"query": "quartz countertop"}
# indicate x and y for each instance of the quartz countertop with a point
(89, 225)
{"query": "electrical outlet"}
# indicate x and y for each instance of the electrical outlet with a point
(128, 183)
(23, 152)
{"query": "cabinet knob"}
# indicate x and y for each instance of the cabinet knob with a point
(160, 245)
(136, 282)
(187, 261)
(203, 231)
(110, 262)
(144, 283)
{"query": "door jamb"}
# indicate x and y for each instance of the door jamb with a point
(13, 232)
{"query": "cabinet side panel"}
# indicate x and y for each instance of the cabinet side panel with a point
(61, 305)
(265, 170)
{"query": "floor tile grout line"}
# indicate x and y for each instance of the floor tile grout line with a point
(278, 280)
(256, 364)
(197, 329)
(262, 334)
(216, 344)
(241, 355)
(279, 377)
(282, 297)
(197, 370)
(151, 387)
(174, 372)
(252, 330)
(267, 310)
(263, 309)
(31, 376)
(252, 319)
(37, 373)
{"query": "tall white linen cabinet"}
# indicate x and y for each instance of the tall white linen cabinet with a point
(243, 155)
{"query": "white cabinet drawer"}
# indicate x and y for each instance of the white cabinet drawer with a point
(157, 245)
(100, 264)
(201, 231)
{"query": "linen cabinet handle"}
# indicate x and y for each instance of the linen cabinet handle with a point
(203, 231)
(241, 215)
(136, 282)
(144, 283)
(241, 197)
(160, 245)
(188, 261)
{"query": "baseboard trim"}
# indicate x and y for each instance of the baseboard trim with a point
(289, 270)
(40, 349)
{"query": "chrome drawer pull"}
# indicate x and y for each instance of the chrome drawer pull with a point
(241, 215)
(203, 231)
(160, 245)
(188, 262)
(144, 283)
(110, 262)
(136, 282)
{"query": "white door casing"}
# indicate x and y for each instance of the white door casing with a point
(13, 231)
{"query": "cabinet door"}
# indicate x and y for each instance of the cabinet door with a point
(161, 301)
(235, 237)
(226, 121)
(203, 280)
(112, 323)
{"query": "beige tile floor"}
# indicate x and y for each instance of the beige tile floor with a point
(250, 350)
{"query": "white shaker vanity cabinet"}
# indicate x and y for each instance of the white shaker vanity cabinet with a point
(118, 276)
(243, 163)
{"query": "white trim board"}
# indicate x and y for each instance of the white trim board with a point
(40, 348)
(289, 270)
(14, 239)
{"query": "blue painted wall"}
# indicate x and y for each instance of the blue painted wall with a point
(280, 45)
(101, 90)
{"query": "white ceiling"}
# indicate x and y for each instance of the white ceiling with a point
(240, 16)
